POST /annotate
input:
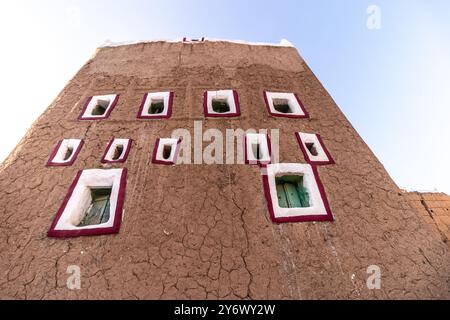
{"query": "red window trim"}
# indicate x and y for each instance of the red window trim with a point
(105, 116)
(50, 162)
(166, 116)
(127, 151)
(322, 145)
(282, 115)
(308, 218)
(95, 231)
(221, 115)
(155, 152)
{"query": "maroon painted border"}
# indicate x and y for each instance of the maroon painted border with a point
(305, 152)
(284, 115)
(169, 108)
(308, 218)
(96, 231)
(106, 115)
(155, 152)
(127, 151)
(50, 162)
(221, 115)
(258, 162)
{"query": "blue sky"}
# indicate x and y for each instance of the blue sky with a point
(393, 84)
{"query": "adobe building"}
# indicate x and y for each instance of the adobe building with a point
(101, 188)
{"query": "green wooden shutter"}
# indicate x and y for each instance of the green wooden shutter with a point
(291, 193)
(303, 196)
(282, 200)
(98, 211)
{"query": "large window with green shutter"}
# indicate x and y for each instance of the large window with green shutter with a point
(291, 192)
(98, 210)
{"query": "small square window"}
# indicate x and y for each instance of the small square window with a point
(156, 105)
(314, 149)
(294, 193)
(65, 152)
(93, 204)
(257, 148)
(221, 103)
(99, 107)
(166, 151)
(117, 151)
(280, 104)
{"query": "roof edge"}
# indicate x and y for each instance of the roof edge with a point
(283, 42)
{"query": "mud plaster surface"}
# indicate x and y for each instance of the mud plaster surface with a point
(203, 231)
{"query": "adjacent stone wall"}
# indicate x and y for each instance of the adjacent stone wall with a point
(203, 231)
(434, 209)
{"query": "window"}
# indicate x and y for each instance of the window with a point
(99, 107)
(287, 105)
(156, 105)
(117, 151)
(291, 192)
(294, 193)
(93, 204)
(222, 103)
(98, 210)
(65, 152)
(257, 148)
(282, 105)
(166, 151)
(314, 149)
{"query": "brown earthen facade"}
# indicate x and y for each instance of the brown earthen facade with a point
(198, 231)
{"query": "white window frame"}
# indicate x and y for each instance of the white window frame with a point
(57, 156)
(92, 102)
(109, 152)
(78, 200)
(230, 96)
(166, 96)
(323, 156)
(264, 146)
(319, 209)
(295, 104)
(158, 150)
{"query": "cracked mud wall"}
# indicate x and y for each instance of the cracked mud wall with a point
(203, 231)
